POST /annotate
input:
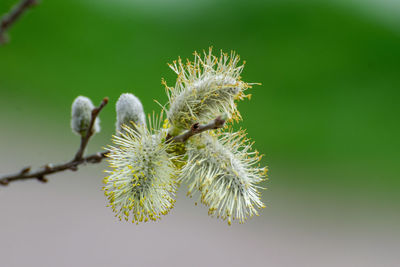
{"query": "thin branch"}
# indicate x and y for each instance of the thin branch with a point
(41, 173)
(197, 128)
(11, 17)
(79, 159)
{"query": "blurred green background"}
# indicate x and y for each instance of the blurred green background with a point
(326, 115)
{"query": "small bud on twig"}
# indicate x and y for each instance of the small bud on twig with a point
(42, 179)
(48, 166)
(129, 110)
(81, 115)
(25, 170)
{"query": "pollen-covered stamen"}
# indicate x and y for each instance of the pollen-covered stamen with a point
(204, 89)
(141, 184)
(226, 174)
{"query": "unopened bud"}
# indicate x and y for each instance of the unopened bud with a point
(81, 115)
(129, 110)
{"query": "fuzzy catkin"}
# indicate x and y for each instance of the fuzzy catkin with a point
(147, 164)
(205, 89)
(225, 172)
(142, 183)
(81, 115)
(129, 112)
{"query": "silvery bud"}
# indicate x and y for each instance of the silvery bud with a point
(81, 115)
(129, 110)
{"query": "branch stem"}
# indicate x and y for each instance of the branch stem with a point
(11, 17)
(197, 128)
(79, 159)
(73, 164)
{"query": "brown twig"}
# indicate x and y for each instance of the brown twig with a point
(9, 18)
(197, 128)
(41, 173)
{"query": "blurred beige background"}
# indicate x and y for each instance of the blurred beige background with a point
(66, 222)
